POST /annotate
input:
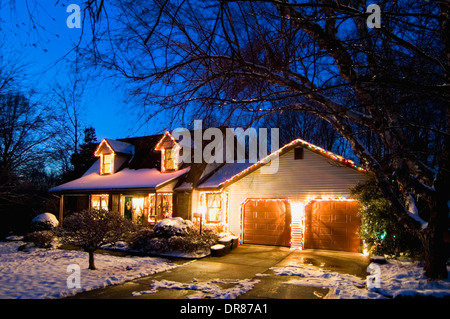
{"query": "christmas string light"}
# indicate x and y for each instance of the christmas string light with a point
(97, 151)
(298, 217)
(301, 142)
(224, 203)
(166, 133)
(175, 152)
(100, 154)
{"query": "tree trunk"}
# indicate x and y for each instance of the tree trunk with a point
(435, 248)
(435, 253)
(91, 260)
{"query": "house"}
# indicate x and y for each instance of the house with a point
(297, 196)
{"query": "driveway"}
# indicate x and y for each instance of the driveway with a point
(246, 262)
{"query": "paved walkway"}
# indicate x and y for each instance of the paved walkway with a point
(244, 262)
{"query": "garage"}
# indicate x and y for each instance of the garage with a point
(332, 225)
(266, 222)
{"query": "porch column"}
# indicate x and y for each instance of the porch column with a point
(61, 210)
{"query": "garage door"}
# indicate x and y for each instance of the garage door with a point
(332, 225)
(266, 222)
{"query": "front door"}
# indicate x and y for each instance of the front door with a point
(128, 210)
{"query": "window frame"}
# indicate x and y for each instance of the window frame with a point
(174, 153)
(103, 163)
(219, 209)
(103, 201)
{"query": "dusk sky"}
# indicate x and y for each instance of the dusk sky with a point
(41, 49)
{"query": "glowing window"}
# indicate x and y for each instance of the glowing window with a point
(99, 201)
(170, 159)
(213, 208)
(107, 164)
(165, 205)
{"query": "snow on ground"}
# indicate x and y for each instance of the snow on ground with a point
(211, 289)
(397, 279)
(42, 273)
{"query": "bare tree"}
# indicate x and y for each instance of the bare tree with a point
(69, 104)
(22, 134)
(91, 229)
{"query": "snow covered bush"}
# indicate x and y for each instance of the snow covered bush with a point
(198, 241)
(140, 239)
(45, 221)
(178, 243)
(157, 245)
(41, 238)
(174, 235)
(169, 227)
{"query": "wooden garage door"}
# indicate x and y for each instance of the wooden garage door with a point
(332, 225)
(267, 222)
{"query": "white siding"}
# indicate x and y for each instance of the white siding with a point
(297, 180)
(168, 187)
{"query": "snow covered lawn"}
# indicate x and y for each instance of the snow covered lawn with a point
(397, 279)
(42, 273)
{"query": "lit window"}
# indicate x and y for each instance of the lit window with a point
(170, 159)
(213, 208)
(107, 164)
(99, 201)
(165, 205)
(151, 209)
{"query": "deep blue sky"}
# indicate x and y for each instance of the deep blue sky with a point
(41, 47)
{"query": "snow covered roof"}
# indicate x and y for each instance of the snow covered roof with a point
(117, 146)
(224, 173)
(147, 178)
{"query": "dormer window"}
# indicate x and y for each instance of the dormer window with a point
(113, 154)
(107, 164)
(170, 152)
(170, 159)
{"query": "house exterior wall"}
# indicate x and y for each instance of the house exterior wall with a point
(182, 205)
(195, 200)
(168, 187)
(298, 180)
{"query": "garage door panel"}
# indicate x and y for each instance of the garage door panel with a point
(340, 231)
(332, 225)
(249, 226)
(324, 244)
(274, 227)
(339, 245)
(266, 222)
(324, 231)
(340, 219)
(260, 227)
(325, 218)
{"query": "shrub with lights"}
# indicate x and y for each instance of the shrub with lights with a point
(380, 230)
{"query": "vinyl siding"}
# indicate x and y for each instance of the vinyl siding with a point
(297, 180)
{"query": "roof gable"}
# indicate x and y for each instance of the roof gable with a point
(231, 172)
(166, 139)
(114, 147)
